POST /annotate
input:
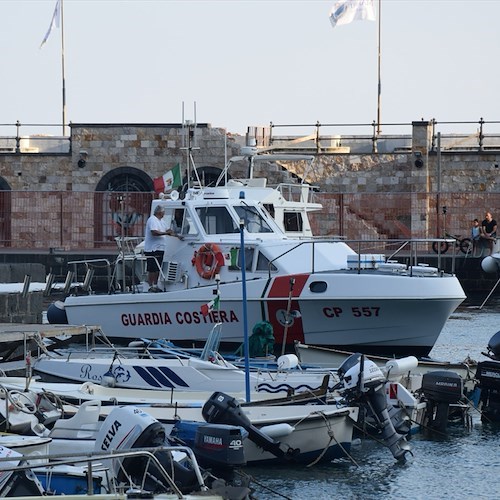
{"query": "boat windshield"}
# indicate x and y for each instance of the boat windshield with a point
(217, 220)
(180, 221)
(254, 222)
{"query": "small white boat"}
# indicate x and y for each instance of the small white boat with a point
(193, 374)
(302, 430)
(175, 370)
(327, 357)
(304, 433)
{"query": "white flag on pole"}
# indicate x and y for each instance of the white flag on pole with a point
(347, 11)
(54, 23)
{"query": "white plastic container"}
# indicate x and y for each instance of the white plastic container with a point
(365, 261)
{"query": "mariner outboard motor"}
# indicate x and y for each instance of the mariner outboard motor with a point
(364, 383)
(441, 388)
(223, 409)
(129, 427)
(488, 376)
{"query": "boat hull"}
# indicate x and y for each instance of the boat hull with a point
(321, 433)
(172, 374)
(375, 313)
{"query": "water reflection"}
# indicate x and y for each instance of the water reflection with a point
(462, 463)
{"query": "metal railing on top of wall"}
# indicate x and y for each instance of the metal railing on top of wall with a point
(323, 137)
(33, 138)
(364, 138)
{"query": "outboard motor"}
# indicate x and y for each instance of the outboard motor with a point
(218, 447)
(223, 409)
(441, 388)
(494, 347)
(488, 375)
(364, 383)
(129, 427)
(17, 483)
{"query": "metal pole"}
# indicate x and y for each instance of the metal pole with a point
(379, 87)
(287, 319)
(63, 73)
(124, 267)
(245, 318)
(439, 162)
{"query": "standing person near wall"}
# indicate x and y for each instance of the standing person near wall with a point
(475, 236)
(489, 231)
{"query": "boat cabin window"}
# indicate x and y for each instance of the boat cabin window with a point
(217, 220)
(236, 258)
(263, 263)
(270, 208)
(318, 286)
(254, 222)
(180, 221)
(292, 221)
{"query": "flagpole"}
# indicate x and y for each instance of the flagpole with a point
(379, 86)
(62, 72)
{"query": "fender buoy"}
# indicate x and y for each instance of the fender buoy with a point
(208, 260)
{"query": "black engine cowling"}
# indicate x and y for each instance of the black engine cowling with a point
(223, 409)
(494, 347)
(216, 446)
(488, 375)
(441, 388)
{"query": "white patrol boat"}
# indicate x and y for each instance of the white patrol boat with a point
(253, 244)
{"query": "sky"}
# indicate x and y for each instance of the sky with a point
(242, 63)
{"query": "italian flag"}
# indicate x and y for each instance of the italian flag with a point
(171, 180)
(210, 306)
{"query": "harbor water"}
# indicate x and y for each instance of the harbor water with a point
(463, 463)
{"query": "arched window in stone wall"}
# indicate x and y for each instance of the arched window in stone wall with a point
(5, 213)
(122, 203)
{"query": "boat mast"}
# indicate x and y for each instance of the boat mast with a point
(189, 145)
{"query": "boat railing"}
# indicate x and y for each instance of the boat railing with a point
(90, 266)
(94, 462)
(299, 193)
(409, 251)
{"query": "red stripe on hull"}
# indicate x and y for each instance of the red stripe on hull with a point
(277, 309)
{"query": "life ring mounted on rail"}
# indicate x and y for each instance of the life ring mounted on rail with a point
(208, 260)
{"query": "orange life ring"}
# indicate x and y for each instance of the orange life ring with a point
(208, 260)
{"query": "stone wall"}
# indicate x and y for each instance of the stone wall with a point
(404, 191)
(154, 149)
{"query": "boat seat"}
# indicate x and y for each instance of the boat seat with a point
(83, 425)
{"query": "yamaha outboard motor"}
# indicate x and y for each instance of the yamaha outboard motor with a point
(441, 388)
(217, 447)
(488, 375)
(129, 427)
(223, 409)
(364, 384)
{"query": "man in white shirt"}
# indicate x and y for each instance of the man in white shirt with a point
(154, 245)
